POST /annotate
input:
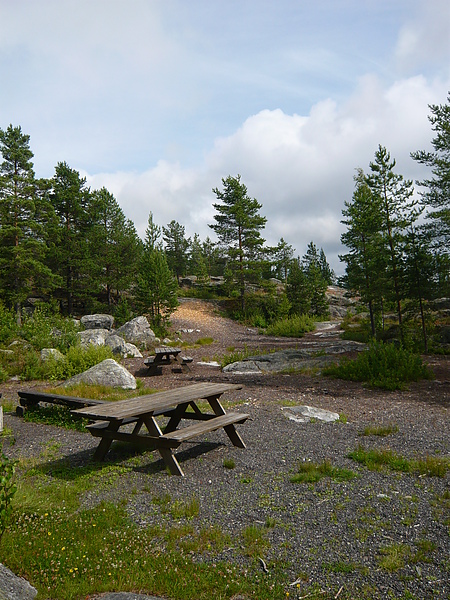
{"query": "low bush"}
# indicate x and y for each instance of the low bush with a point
(295, 326)
(77, 360)
(383, 365)
(46, 328)
(8, 325)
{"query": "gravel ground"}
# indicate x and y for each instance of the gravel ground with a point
(333, 534)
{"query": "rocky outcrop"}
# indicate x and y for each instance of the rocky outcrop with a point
(119, 346)
(313, 356)
(138, 332)
(108, 373)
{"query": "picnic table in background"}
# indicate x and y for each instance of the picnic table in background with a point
(164, 355)
(177, 405)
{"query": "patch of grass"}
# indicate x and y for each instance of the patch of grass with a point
(229, 463)
(383, 365)
(376, 460)
(255, 540)
(379, 430)
(205, 341)
(311, 472)
(294, 326)
(185, 510)
(55, 415)
(394, 557)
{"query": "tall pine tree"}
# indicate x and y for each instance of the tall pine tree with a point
(238, 225)
(24, 211)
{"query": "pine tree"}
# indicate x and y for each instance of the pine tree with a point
(398, 212)
(156, 289)
(176, 248)
(24, 210)
(70, 256)
(363, 239)
(436, 197)
(238, 225)
(115, 244)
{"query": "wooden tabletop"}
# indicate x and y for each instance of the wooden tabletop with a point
(141, 405)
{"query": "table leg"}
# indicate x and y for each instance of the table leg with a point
(105, 443)
(230, 430)
(166, 453)
(175, 419)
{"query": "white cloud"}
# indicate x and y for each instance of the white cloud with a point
(299, 167)
(426, 37)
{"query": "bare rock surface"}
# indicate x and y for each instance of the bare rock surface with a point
(99, 321)
(13, 587)
(108, 373)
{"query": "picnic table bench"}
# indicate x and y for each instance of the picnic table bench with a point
(29, 398)
(178, 404)
(164, 355)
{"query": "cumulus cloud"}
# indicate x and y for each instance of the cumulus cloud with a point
(300, 168)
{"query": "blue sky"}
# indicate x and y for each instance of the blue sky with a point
(158, 100)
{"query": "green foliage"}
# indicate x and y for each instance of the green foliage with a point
(380, 430)
(7, 491)
(294, 326)
(311, 472)
(383, 365)
(46, 328)
(8, 325)
(238, 225)
(375, 460)
(54, 415)
(77, 360)
(156, 290)
(123, 313)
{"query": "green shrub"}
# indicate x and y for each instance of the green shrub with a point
(46, 328)
(295, 326)
(383, 365)
(77, 360)
(8, 326)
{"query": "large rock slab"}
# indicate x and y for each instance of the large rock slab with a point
(313, 355)
(13, 587)
(99, 321)
(108, 372)
(137, 331)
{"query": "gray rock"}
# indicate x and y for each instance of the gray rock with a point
(51, 353)
(13, 587)
(109, 373)
(137, 331)
(96, 337)
(304, 413)
(285, 360)
(119, 346)
(97, 321)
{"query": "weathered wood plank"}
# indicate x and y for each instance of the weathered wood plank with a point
(186, 433)
(134, 407)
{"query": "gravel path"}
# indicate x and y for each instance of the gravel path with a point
(333, 534)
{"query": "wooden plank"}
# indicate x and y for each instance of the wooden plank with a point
(33, 397)
(133, 407)
(186, 433)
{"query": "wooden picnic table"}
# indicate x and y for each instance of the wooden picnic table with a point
(164, 355)
(178, 404)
